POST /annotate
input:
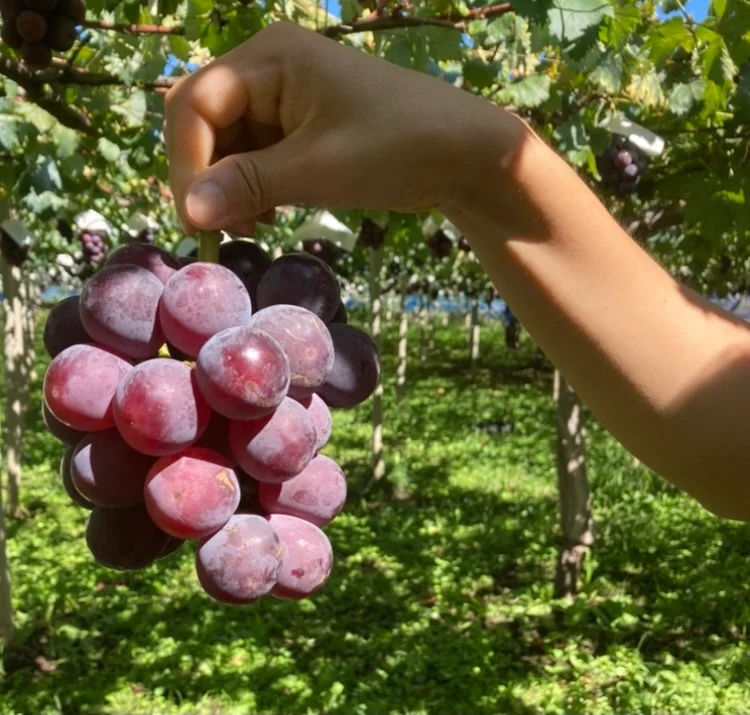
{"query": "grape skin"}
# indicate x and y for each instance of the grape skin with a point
(306, 557)
(80, 384)
(341, 315)
(67, 479)
(108, 472)
(171, 547)
(305, 339)
(31, 26)
(61, 34)
(124, 539)
(321, 419)
(356, 367)
(216, 437)
(192, 494)
(248, 261)
(74, 9)
(303, 280)
(276, 447)
(119, 308)
(240, 563)
(61, 431)
(158, 408)
(243, 373)
(152, 258)
(36, 55)
(63, 327)
(317, 494)
(199, 301)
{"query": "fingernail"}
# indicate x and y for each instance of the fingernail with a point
(206, 204)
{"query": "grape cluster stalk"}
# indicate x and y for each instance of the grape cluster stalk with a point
(37, 28)
(195, 401)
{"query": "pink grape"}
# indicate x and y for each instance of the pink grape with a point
(306, 341)
(124, 539)
(317, 494)
(119, 308)
(192, 494)
(80, 385)
(63, 327)
(58, 429)
(199, 301)
(67, 480)
(108, 472)
(321, 419)
(276, 447)
(240, 562)
(243, 373)
(159, 409)
(152, 258)
(306, 557)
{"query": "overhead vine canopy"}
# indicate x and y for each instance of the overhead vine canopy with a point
(86, 131)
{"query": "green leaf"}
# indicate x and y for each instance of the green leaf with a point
(531, 91)
(684, 97)
(608, 73)
(666, 39)
(500, 29)
(46, 176)
(66, 141)
(718, 65)
(108, 149)
(569, 19)
(133, 108)
(8, 132)
(349, 10)
(719, 7)
(536, 11)
(714, 98)
(646, 89)
(480, 74)
(616, 31)
(180, 47)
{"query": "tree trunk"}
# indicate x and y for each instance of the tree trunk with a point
(403, 332)
(423, 310)
(6, 605)
(378, 463)
(474, 332)
(467, 327)
(575, 495)
(18, 365)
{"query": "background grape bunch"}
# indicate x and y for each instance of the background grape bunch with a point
(622, 166)
(37, 28)
(93, 246)
(222, 445)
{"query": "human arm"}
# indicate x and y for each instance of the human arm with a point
(290, 117)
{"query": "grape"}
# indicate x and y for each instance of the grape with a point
(67, 480)
(80, 384)
(249, 495)
(124, 539)
(241, 562)
(248, 261)
(159, 409)
(36, 55)
(119, 308)
(74, 9)
(63, 327)
(11, 9)
(31, 26)
(321, 419)
(62, 34)
(172, 545)
(464, 245)
(58, 429)
(43, 6)
(371, 235)
(341, 315)
(303, 280)
(216, 437)
(11, 36)
(306, 557)
(306, 341)
(192, 494)
(108, 472)
(623, 158)
(243, 373)
(631, 170)
(317, 494)
(200, 300)
(356, 367)
(275, 447)
(152, 258)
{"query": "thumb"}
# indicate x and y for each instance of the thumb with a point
(235, 191)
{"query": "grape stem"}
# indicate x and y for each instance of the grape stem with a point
(208, 246)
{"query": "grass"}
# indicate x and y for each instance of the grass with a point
(441, 599)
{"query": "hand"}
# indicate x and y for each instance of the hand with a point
(293, 117)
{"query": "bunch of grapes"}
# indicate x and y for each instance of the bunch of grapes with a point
(622, 166)
(94, 248)
(323, 249)
(440, 245)
(222, 446)
(371, 235)
(38, 27)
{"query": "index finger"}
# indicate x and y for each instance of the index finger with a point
(214, 98)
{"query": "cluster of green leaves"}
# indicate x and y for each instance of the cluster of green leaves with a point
(440, 601)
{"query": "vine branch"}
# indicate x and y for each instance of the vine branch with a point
(129, 29)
